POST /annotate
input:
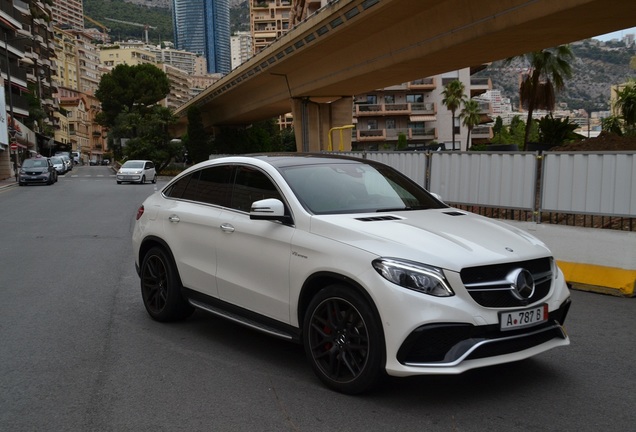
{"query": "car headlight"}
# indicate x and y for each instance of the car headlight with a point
(415, 276)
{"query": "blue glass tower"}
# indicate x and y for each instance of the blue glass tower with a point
(203, 27)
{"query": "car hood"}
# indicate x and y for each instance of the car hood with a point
(130, 170)
(446, 238)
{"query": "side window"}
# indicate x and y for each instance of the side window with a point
(251, 185)
(215, 185)
(178, 188)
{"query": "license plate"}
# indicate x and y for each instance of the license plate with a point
(523, 318)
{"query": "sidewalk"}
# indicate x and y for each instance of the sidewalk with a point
(7, 183)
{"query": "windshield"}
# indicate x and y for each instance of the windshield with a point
(356, 188)
(57, 161)
(34, 163)
(133, 164)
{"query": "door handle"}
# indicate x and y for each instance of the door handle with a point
(226, 227)
(174, 218)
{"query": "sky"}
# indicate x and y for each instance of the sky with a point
(616, 35)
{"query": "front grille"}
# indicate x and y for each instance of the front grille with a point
(487, 285)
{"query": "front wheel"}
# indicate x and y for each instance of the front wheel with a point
(343, 340)
(143, 180)
(161, 287)
(154, 179)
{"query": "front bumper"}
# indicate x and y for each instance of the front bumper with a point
(447, 345)
(427, 335)
(27, 178)
(128, 177)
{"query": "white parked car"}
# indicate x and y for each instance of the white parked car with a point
(370, 272)
(137, 171)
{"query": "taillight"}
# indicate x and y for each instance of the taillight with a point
(140, 212)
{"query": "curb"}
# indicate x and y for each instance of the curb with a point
(600, 279)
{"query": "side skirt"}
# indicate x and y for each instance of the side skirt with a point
(242, 316)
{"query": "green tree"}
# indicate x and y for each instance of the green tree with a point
(147, 136)
(196, 141)
(556, 131)
(131, 88)
(550, 67)
(452, 98)
(471, 117)
(498, 127)
(612, 124)
(626, 105)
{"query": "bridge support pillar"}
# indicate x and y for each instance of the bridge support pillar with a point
(316, 118)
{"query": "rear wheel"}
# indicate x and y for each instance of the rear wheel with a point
(161, 287)
(343, 340)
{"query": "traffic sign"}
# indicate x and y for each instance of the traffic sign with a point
(14, 146)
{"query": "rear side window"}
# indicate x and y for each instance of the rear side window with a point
(210, 185)
(251, 185)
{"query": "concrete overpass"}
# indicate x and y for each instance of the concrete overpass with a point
(353, 46)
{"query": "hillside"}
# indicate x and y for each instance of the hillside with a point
(596, 67)
(157, 13)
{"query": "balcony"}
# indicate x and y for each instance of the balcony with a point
(422, 84)
(371, 135)
(424, 133)
(482, 132)
(370, 110)
(392, 135)
(426, 108)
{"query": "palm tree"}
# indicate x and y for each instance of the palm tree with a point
(626, 105)
(453, 96)
(549, 68)
(470, 116)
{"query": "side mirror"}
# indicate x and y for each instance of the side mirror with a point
(269, 209)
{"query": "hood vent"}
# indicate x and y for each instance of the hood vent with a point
(455, 213)
(378, 218)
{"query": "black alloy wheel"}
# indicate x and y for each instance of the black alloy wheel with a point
(344, 340)
(161, 287)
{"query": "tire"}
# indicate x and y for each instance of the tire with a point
(154, 179)
(118, 182)
(143, 180)
(343, 340)
(161, 287)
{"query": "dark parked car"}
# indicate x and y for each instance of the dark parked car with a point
(37, 170)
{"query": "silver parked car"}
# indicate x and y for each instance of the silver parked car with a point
(59, 164)
(137, 171)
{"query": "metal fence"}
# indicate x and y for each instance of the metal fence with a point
(579, 183)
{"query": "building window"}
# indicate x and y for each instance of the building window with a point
(414, 98)
(389, 99)
(372, 99)
(390, 123)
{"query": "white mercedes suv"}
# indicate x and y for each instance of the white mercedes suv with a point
(369, 271)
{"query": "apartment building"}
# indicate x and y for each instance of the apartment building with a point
(69, 13)
(413, 113)
(241, 48)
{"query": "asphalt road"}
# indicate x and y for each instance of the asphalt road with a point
(79, 353)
